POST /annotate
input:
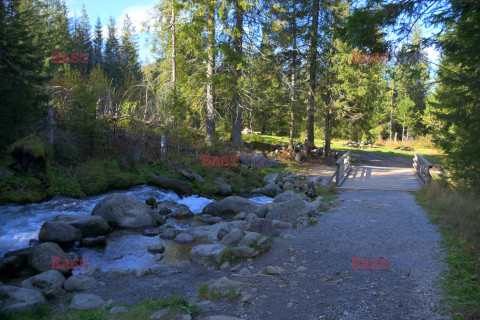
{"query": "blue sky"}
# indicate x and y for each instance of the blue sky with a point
(137, 10)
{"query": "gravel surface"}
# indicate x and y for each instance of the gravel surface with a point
(319, 282)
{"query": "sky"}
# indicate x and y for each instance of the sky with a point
(138, 12)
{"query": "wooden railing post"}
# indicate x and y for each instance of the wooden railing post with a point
(343, 168)
(422, 168)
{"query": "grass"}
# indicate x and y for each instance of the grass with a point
(141, 311)
(229, 293)
(457, 214)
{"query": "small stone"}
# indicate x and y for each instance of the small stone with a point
(244, 272)
(159, 314)
(225, 265)
(300, 269)
(245, 297)
(273, 270)
(119, 309)
(288, 236)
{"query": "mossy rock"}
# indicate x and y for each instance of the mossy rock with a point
(24, 190)
(179, 187)
(31, 154)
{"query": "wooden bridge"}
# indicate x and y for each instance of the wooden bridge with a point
(381, 178)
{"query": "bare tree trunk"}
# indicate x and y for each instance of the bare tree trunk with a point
(391, 114)
(50, 123)
(210, 70)
(327, 133)
(312, 72)
(236, 134)
(174, 51)
(163, 145)
(293, 81)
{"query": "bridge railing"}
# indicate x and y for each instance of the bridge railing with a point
(422, 168)
(343, 168)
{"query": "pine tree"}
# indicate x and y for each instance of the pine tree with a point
(97, 53)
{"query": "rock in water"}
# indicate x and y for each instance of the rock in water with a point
(180, 187)
(231, 206)
(184, 238)
(41, 259)
(59, 232)
(271, 190)
(124, 211)
(90, 226)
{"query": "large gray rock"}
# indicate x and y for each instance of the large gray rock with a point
(41, 258)
(59, 232)
(180, 187)
(184, 238)
(290, 195)
(249, 238)
(207, 254)
(79, 282)
(272, 177)
(271, 190)
(231, 206)
(244, 252)
(83, 301)
(263, 226)
(180, 211)
(91, 226)
(16, 299)
(290, 211)
(232, 238)
(44, 281)
(124, 211)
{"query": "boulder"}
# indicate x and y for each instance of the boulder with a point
(11, 264)
(244, 252)
(41, 258)
(44, 282)
(318, 204)
(261, 225)
(231, 206)
(99, 241)
(225, 190)
(218, 286)
(124, 211)
(282, 225)
(287, 185)
(91, 226)
(207, 254)
(265, 242)
(256, 159)
(159, 219)
(179, 187)
(168, 234)
(79, 283)
(180, 211)
(233, 237)
(290, 211)
(156, 248)
(184, 238)
(83, 301)
(272, 177)
(198, 177)
(262, 210)
(59, 232)
(16, 299)
(271, 190)
(290, 195)
(249, 238)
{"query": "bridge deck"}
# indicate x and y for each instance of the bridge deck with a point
(381, 178)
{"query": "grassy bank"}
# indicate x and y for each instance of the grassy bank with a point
(96, 176)
(457, 214)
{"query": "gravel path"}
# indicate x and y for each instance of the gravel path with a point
(363, 224)
(319, 282)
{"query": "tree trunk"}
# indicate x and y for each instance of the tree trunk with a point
(210, 70)
(312, 72)
(50, 129)
(391, 114)
(236, 134)
(327, 133)
(174, 51)
(293, 81)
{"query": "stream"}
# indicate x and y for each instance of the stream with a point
(126, 249)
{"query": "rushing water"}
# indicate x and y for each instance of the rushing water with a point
(125, 249)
